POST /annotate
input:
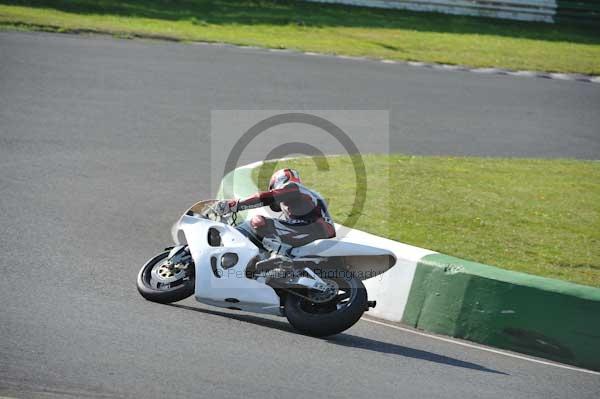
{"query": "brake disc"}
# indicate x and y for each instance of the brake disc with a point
(166, 273)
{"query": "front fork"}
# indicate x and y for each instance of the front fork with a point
(179, 257)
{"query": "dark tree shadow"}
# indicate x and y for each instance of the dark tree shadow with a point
(349, 340)
(305, 14)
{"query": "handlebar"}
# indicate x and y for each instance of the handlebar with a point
(206, 209)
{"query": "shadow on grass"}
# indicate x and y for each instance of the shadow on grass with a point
(351, 341)
(286, 12)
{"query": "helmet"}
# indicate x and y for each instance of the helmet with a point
(283, 176)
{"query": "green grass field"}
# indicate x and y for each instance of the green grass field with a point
(535, 216)
(377, 33)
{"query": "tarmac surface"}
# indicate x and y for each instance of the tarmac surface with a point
(103, 142)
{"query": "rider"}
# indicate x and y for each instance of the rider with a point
(305, 215)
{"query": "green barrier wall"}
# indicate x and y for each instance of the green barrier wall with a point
(539, 316)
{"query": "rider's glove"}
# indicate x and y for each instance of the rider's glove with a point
(225, 207)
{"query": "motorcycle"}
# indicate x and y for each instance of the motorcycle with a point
(318, 287)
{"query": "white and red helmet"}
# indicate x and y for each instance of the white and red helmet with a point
(283, 176)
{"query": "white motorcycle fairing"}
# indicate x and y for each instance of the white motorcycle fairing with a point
(229, 287)
(219, 286)
(364, 261)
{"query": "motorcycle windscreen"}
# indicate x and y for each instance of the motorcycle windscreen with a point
(200, 207)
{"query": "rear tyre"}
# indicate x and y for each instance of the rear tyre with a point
(174, 288)
(329, 318)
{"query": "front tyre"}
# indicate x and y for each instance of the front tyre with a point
(157, 283)
(332, 317)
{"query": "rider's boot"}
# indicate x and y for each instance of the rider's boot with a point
(279, 264)
(277, 247)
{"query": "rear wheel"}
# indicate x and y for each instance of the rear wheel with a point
(321, 319)
(159, 282)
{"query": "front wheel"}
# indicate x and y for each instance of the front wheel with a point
(157, 282)
(332, 317)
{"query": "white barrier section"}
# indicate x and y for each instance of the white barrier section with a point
(523, 10)
(391, 288)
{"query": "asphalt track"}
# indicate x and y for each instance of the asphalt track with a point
(101, 147)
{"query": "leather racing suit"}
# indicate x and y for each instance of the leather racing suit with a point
(305, 217)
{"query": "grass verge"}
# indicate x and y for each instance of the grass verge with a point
(534, 216)
(377, 33)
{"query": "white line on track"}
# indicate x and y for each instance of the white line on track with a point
(483, 348)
